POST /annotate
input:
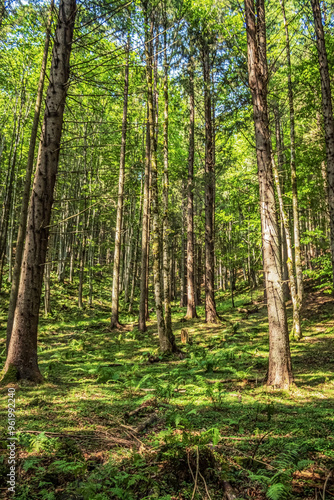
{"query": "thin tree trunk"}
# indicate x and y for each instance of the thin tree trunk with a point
(27, 183)
(283, 244)
(11, 231)
(21, 360)
(167, 343)
(199, 275)
(9, 187)
(191, 302)
(166, 230)
(327, 110)
(183, 263)
(145, 237)
(47, 279)
(117, 254)
(279, 370)
(296, 232)
(210, 305)
(296, 329)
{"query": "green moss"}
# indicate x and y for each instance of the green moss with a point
(11, 376)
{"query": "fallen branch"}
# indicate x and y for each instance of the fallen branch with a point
(248, 311)
(146, 423)
(105, 437)
(138, 410)
(325, 485)
(228, 380)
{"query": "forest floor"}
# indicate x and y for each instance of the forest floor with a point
(199, 426)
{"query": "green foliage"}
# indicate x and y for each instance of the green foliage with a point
(279, 484)
(38, 442)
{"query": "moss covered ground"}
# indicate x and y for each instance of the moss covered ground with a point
(204, 423)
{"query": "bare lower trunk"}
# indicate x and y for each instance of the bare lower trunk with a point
(327, 110)
(298, 264)
(166, 230)
(279, 370)
(210, 304)
(183, 262)
(296, 329)
(191, 303)
(21, 360)
(81, 271)
(119, 216)
(199, 275)
(167, 343)
(145, 239)
(47, 287)
(26, 190)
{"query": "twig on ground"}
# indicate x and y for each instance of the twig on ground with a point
(146, 423)
(104, 436)
(325, 485)
(137, 410)
(259, 443)
(205, 485)
(196, 476)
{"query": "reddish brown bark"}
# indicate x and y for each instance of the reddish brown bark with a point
(279, 370)
(21, 361)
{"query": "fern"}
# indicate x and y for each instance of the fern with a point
(278, 491)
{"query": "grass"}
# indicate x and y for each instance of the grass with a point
(212, 414)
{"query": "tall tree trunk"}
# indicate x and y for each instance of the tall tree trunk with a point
(145, 236)
(47, 280)
(280, 370)
(199, 275)
(296, 232)
(191, 302)
(117, 254)
(27, 183)
(296, 329)
(210, 305)
(166, 229)
(327, 110)
(21, 360)
(18, 127)
(183, 262)
(283, 243)
(167, 343)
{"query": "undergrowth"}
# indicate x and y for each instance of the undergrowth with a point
(211, 416)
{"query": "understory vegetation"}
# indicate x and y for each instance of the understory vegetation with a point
(116, 419)
(167, 249)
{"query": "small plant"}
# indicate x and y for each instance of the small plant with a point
(278, 486)
(37, 442)
(216, 394)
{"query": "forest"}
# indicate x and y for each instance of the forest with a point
(167, 249)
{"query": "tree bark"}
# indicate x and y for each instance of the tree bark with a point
(191, 302)
(296, 329)
(327, 110)
(117, 253)
(21, 360)
(27, 184)
(183, 261)
(145, 236)
(296, 232)
(279, 370)
(167, 343)
(210, 305)
(166, 229)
